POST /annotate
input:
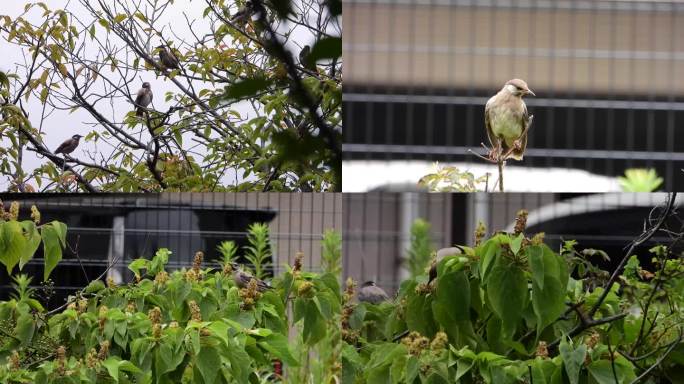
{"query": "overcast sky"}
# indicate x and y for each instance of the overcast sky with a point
(62, 125)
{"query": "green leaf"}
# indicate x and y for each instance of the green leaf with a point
(548, 302)
(572, 359)
(602, 371)
(246, 88)
(507, 294)
(112, 365)
(535, 258)
(517, 243)
(136, 265)
(160, 259)
(208, 361)
(326, 48)
(32, 243)
(12, 244)
(95, 286)
(418, 315)
(115, 364)
(278, 346)
(26, 326)
(314, 323)
(52, 247)
(488, 254)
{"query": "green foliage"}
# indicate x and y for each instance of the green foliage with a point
(640, 180)
(420, 251)
(19, 240)
(258, 252)
(451, 179)
(509, 311)
(184, 326)
(228, 250)
(331, 256)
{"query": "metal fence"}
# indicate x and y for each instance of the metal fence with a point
(376, 225)
(609, 79)
(115, 229)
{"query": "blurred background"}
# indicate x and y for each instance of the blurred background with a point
(609, 79)
(116, 229)
(381, 227)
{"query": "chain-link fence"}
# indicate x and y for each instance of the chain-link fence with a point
(608, 75)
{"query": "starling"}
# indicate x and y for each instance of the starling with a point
(68, 145)
(143, 99)
(371, 293)
(304, 58)
(242, 278)
(244, 14)
(507, 121)
(442, 253)
(167, 58)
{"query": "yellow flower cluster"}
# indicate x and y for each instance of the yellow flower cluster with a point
(415, 343)
(195, 313)
(250, 294)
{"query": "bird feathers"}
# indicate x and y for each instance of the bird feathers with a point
(506, 121)
(168, 59)
(142, 100)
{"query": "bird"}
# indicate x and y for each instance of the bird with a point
(304, 58)
(243, 14)
(371, 293)
(167, 58)
(143, 99)
(69, 145)
(242, 279)
(442, 253)
(507, 121)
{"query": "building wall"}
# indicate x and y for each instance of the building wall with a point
(595, 47)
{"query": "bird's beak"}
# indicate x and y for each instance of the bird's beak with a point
(529, 92)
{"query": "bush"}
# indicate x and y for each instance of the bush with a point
(512, 310)
(192, 325)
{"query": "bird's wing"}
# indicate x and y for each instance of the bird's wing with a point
(525, 121)
(151, 95)
(380, 292)
(61, 147)
(488, 127)
(139, 99)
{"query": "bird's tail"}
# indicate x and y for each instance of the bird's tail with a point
(139, 111)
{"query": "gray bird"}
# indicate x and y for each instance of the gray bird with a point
(507, 121)
(167, 58)
(442, 253)
(243, 14)
(143, 99)
(68, 145)
(371, 293)
(242, 278)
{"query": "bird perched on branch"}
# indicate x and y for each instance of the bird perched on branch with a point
(371, 293)
(243, 14)
(507, 121)
(304, 58)
(242, 278)
(68, 145)
(167, 59)
(143, 99)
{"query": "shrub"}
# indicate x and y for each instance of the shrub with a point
(513, 310)
(192, 325)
